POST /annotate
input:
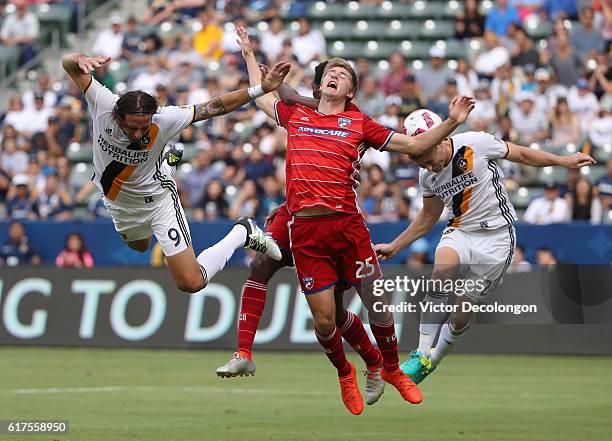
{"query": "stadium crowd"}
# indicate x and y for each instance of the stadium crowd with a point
(553, 92)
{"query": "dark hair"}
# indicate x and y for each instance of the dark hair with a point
(318, 77)
(82, 250)
(135, 102)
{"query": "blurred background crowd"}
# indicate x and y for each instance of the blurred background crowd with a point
(540, 71)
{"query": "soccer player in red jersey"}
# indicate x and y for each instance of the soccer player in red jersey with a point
(263, 268)
(328, 235)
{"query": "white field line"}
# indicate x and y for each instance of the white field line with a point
(192, 389)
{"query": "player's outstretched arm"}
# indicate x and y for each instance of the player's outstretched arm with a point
(460, 107)
(290, 96)
(256, 73)
(229, 102)
(538, 158)
(427, 217)
(78, 67)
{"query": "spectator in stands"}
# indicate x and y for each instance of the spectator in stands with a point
(15, 117)
(393, 81)
(19, 205)
(560, 9)
(418, 258)
(132, 39)
(545, 96)
(434, 78)
(505, 131)
(12, 160)
(75, 253)
(519, 263)
(565, 61)
(440, 103)
(257, 165)
(273, 38)
(565, 124)
(583, 102)
(492, 57)
(68, 182)
(527, 120)
(583, 203)
(603, 15)
(38, 117)
(545, 258)
(600, 128)
(309, 43)
(391, 117)
(600, 80)
(370, 98)
(500, 17)
(524, 52)
(584, 38)
(247, 201)
(272, 195)
(16, 251)
(207, 41)
(547, 209)
(411, 96)
(484, 111)
(53, 203)
(196, 180)
(605, 192)
(109, 42)
(372, 193)
(21, 28)
(183, 76)
(467, 79)
(150, 77)
(104, 75)
(470, 22)
(213, 204)
(43, 87)
(404, 171)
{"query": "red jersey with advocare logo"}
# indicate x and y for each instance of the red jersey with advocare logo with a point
(324, 155)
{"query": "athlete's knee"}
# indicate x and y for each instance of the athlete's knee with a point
(263, 268)
(325, 323)
(139, 246)
(190, 284)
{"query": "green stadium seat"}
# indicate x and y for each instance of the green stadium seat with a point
(356, 11)
(415, 49)
(456, 49)
(82, 171)
(595, 173)
(79, 153)
(437, 29)
(369, 30)
(346, 49)
(401, 29)
(523, 196)
(452, 8)
(540, 29)
(55, 16)
(336, 29)
(378, 49)
(323, 11)
(391, 10)
(601, 155)
(9, 60)
(425, 9)
(552, 174)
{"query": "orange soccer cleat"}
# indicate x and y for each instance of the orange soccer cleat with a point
(404, 385)
(350, 392)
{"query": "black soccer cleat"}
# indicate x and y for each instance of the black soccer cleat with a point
(173, 155)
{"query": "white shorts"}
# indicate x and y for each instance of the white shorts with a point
(163, 218)
(485, 256)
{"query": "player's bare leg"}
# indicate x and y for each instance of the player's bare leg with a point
(446, 267)
(323, 308)
(252, 303)
(352, 330)
(186, 271)
(383, 328)
(140, 245)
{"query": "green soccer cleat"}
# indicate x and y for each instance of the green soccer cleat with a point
(416, 361)
(173, 155)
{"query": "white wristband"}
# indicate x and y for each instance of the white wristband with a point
(256, 92)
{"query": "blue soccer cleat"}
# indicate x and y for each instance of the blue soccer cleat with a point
(414, 364)
(423, 372)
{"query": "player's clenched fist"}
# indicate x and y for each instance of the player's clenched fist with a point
(460, 107)
(385, 251)
(87, 64)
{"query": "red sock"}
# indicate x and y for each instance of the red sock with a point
(334, 350)
(355, 334)
(387, 343)
(251, 308)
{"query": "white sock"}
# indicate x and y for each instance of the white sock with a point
(431, 321)
(213, 259)
(446, 342)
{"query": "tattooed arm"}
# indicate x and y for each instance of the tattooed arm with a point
(231, 101)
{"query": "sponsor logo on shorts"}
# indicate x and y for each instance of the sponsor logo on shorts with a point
(484, 225)
(148, 199)
(343, 123)
(448, 231)
(308, 282)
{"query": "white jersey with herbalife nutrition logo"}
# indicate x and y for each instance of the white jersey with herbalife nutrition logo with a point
(128, 172)
(472, 185)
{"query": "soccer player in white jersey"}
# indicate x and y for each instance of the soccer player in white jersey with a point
(479, 241)
(129, 135)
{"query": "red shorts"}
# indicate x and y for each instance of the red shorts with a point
(278, 228)
(331, 249)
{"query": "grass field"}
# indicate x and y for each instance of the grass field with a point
(148, 395)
